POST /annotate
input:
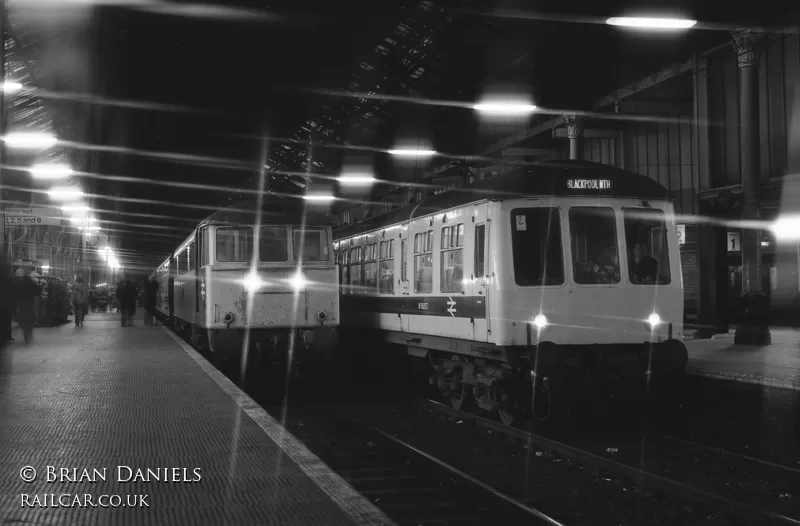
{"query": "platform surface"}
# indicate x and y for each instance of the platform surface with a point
(775, 365)
(102, 396)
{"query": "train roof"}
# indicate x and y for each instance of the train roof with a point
(274, 210)
(557, 178)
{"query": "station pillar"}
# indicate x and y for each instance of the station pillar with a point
(753, 327)
(574, 125)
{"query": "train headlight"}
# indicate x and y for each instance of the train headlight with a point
(540, 321)
(252, 282)
(298, 282)
(654, 320)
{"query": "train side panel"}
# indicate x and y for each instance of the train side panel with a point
(162, 297)
(497, 310)
(184, 296)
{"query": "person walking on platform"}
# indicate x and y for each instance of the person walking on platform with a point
(150, 291)
(79, 301)
(93, 300)
(27, 292)
(126, 295)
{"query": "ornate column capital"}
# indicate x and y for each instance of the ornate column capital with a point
(745, 43)
(574, 125)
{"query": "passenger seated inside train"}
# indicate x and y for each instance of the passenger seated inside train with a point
(643, 269)
(604, 271)
(607, 271)
(424, 280)
(453, 279)
(387, 281)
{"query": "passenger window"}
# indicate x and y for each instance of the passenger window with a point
(451, 275)
(273, 244)
(234, 244)
(646, 242)
(344, 269)
(355, 266)
(386, 255)
(371, 267)
(190, 255)
(403, 260)
(536, 247)
(423, 262)
(310, 245)
(480, 249)
(595, 253)
(202, 247)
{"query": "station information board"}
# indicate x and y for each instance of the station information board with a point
(32, 216)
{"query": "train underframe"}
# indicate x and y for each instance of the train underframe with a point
(547, 383)
(265, 355)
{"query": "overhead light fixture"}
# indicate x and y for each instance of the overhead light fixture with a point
(786, 228)
(509, 109)
(51, 171)
(31, 140)
(65, 193)
(319, 197)
(356, 179)
(651, 23)
(11, 86)
(412, 153)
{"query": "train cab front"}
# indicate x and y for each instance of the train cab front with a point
(278, 314)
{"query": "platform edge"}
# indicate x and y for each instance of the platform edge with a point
(745, 378)
(348, 499)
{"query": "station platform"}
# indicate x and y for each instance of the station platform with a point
(95, 407)
(776, 365)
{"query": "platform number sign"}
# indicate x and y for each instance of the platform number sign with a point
(522, 223)
(734, 242)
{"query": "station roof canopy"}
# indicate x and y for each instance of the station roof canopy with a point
(446, 50)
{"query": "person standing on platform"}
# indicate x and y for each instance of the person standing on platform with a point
(79, 301)
(120, 301)
(131, 295)
(126, 296)
(150, 291)
(7, 301)
(93, 300)
(27, 292)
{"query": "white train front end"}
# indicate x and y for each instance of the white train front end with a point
(273, 291)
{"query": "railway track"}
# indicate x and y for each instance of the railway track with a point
(412, 487)
(626, 460)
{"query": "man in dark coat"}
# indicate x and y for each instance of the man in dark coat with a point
(8, 302)
(150, 292)
(126, 296)
(27, 290)
(130, 293)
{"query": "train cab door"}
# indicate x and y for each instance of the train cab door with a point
(199, 277)
(171, 285)
(477, 287)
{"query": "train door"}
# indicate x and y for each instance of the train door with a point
(171, 285)
(594, 247)
(477, 287)
(199, 282)
(403, 282)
